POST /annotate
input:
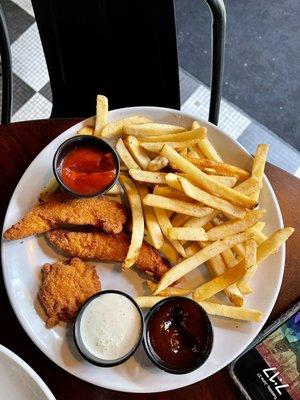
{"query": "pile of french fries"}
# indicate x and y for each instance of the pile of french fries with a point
(193, 208)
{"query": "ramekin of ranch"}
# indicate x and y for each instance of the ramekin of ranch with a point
(109, 328)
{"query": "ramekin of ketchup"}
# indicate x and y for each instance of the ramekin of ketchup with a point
(178, 335)
(86, 166)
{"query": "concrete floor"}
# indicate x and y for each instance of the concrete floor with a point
(262, 67)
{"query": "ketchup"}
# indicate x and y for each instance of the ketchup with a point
(180, 334)
(87, 170)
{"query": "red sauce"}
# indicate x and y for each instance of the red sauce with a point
(88, 170)
(180, 334)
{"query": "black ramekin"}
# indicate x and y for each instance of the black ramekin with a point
(79, 342)
(77, 141)
(155, 358)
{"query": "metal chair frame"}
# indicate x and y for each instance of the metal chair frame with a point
(6, 71)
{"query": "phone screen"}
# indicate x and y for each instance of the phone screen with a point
(271, 370)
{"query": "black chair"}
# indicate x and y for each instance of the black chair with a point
(125, 50)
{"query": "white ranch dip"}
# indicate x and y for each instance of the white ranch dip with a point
(110, 326)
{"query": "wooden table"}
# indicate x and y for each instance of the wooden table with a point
(19, 144)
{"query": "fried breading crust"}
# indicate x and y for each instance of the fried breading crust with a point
(63, 209)
(105, 247)
(65, 287)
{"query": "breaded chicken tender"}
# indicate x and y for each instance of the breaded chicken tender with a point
(66, 285)
(62, 209)
(105, 247)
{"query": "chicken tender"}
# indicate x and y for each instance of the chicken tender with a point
(63, 209)
(105, 247)
(66, 285)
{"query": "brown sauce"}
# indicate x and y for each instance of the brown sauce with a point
(179, 333)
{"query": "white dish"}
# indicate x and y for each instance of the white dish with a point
(18, 381)
(23, 259)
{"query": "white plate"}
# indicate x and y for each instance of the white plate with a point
(18, 381)
(23, 259)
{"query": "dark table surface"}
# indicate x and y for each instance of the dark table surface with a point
(19, 144)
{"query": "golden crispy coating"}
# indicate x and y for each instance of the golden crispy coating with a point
(65, 287)
(62, 209)
(105, 247)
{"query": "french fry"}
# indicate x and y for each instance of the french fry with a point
(230, 262)
(179, 206)
(210, 171)
(86, 130)
(51, 186)
(219, 283)
(235, 225)
(206, 147)
(189, 264)
(222, 310)
(217, 267)
(210, 200)
(201, 222)
(229, 258)
(193, 234)
(229, 181)
(195, 125)
(158, 163)
(250, 264)
(179, 219)
(205, 181)
(258, 166)
(169, 251)
(199, 133)
(165, 224)
(198, 151)
(171, 291)
(208, 150)
(192, 153)
(195, 222)
(166, 249)
(259, 237)
(157, 178)
(221, 168)
(114, 129)
(259, 226)
(169, 192)
(156, 147)
(148, 301)
(192, 249)
(137, 234)
(152, 129)
(184, 152)
(249, 186)
(150, 218)
(137, 152)
(272, 244)
(239, 249)
(101, 114)
(172, 181)
(125, 156)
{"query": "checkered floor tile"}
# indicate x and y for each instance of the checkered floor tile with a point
(32, 93)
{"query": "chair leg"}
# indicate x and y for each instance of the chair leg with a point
(6, 71)
(218, 14)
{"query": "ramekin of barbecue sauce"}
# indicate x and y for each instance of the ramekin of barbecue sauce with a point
(86, 166)
(178, 335)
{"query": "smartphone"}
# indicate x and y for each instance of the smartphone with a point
(269, 368)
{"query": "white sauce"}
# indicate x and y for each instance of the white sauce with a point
(110, 326)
